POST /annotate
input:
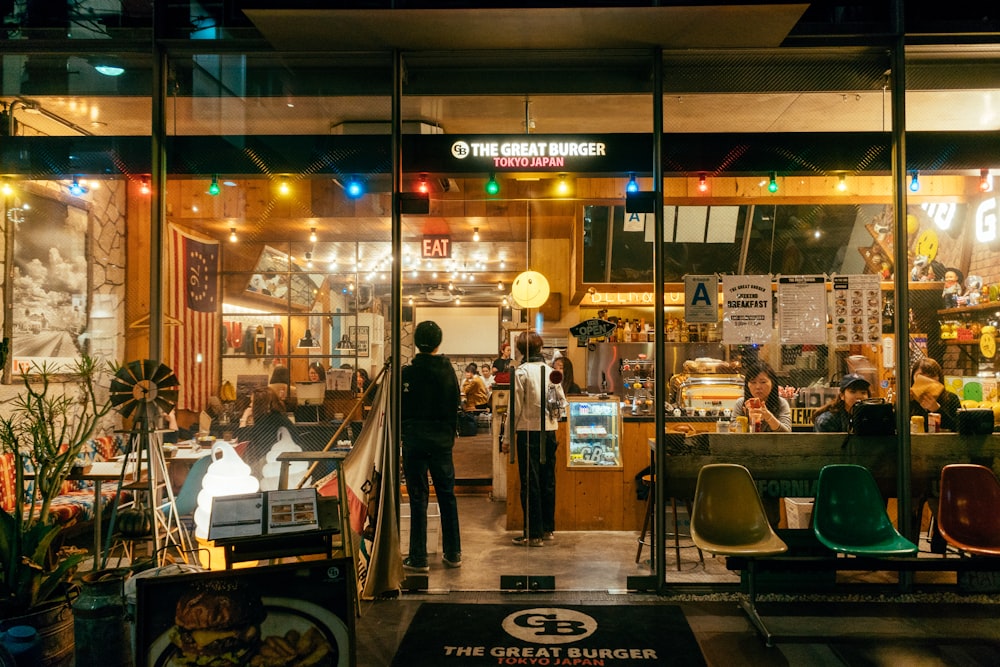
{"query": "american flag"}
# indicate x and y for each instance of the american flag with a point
(191, 314)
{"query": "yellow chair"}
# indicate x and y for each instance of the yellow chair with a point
(729, 520)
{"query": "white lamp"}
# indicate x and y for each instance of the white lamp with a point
(228, 475)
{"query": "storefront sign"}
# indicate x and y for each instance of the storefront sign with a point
(701, 299)
(592, 328)
(528, 154)
(628, 299)
(746, 310)
(986, 221)
(436, 246)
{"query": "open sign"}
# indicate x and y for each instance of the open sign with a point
(592, 328)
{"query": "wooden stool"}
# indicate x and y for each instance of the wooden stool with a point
(648, 524)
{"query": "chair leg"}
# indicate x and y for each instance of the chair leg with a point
(749, 605)
(701, 556)
(677, 533)
(650, 501)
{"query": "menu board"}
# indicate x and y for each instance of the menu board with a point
(802, 309)
(857, 310)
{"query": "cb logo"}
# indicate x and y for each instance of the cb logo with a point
(549, 625)
(460, 150)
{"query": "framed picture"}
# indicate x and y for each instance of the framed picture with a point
(359, 336)
(278, 279)
(51, 280)
(305, 608)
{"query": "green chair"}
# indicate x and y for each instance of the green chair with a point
(728, 519)
(849, 516)
(969, 509)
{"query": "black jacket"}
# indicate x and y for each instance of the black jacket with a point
(430, 391)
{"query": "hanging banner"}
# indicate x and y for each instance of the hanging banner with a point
(802, 310)
(747, 318)
(701, 299)
(857, 310)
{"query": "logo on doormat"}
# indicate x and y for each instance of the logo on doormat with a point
(549, 625)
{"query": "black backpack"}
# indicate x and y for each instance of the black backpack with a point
(873, 416)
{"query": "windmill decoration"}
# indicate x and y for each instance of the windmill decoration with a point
(143, 390)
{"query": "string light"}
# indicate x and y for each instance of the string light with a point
(312, 235)
(632, 185)
(500, 285)
(702, 183)
(144, 186)
(492, 186)
(423, 184)
(232, 235)
(355, 188)
(76, 189)
(213, 189)
(475, 234)
(842, 183)
(283, 187)
(6, 190)
(914, 181)
(985, 185)
(563, 187)
(772, 184)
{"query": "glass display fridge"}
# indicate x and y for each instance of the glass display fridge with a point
(594, 427)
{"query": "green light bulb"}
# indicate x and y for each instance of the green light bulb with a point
(492, 187)
(213, 189)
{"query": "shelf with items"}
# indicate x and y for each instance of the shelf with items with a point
(594, 428)
(639, 385)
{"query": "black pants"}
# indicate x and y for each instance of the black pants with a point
(538, 482)
(420, 456)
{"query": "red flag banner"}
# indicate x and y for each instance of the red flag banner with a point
(191, 316)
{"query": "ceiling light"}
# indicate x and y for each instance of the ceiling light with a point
(422, 187)
(475, 234)
(213, 189)
(500, 285)
(702, 183)
(144, 186)
(307, 342)
(772, 183)
(492, 187)
(632, 185)
(985, 184)
(283, 187)
(842, 183)
(817, 233)
(458, 301)
(563, 187)
(312, 235)
(6, 190)
(411, 300)
(109, 68)
(76, 189)
(232, 235)
(355, 188)
(914, 181)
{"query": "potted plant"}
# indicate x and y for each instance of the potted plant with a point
(48, 426)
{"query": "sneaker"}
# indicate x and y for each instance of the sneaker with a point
(416, 566)
(521, 540)
(452, 561)
(548, 536)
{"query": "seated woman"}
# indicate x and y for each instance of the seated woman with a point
(316, 372)
(927, 394)
(281, 383)
(474, 390)
(267, 415)
(835, 416)
(761, 400)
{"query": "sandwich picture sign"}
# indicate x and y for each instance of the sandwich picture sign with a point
(295, 614)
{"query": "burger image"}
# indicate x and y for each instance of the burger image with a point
(217, 624)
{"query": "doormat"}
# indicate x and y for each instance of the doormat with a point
(468, 635)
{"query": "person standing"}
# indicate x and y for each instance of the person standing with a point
(536, 446)
(502, 363)
(430, 404)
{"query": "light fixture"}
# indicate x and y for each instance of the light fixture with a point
(309, 260)
(312, 235)
(842, 183)
(232, 235)
(76, 189)
(144, 186)
(817, 233)
(355, 188)
(702, 183)
(411, 300)
(632, 185)
(530, 289)
(283, 187)
(772, 183)
(227, 475)
(345, 344)
(563, 186)
(458, 301)
(109, 68)
(492, 186)
(475, 234)
(422, 187)
(213, 189)
(500, 285)
(914, 181)
(6, 189)
(307, 342)
(985, 184)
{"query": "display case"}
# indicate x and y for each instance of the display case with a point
(594, 428)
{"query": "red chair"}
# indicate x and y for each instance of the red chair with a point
(969, 509)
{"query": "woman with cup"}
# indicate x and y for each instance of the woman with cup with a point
(764, 409)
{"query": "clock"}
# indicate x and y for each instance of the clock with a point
(988, 345)
(927, 244)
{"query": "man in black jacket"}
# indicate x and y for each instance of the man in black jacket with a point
(429, 410)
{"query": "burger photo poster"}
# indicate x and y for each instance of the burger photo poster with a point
(295, 615)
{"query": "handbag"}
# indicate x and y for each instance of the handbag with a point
(975, 421)
(467, 426)
(873, 417)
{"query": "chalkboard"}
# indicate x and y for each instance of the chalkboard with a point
(467, 331)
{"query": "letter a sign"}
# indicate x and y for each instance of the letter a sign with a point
(701, 298)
